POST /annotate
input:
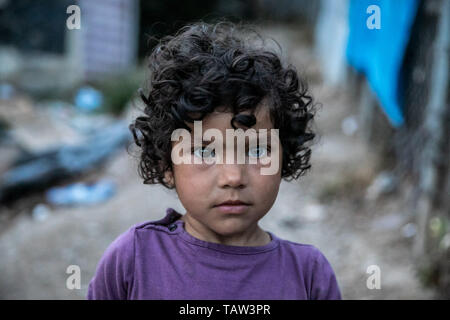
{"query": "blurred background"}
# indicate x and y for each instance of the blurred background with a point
(378, 192)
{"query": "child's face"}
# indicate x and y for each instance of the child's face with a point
(201, 187)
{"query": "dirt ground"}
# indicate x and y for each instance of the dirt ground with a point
(327, 208)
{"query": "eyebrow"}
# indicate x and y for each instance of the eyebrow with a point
(207, 142)
(268, 133)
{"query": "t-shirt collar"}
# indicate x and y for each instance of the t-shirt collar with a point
(173, 217)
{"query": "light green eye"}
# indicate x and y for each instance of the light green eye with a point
(203, 152)
(257, 152)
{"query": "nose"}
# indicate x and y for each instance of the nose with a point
(232, 176)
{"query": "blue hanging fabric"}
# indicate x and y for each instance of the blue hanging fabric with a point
(378, 53)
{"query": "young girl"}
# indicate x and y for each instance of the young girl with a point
(223, 77)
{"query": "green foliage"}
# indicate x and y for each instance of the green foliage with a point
(429, 274)
(118, 90)
(4, 126)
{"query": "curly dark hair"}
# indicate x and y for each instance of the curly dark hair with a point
(204, 66)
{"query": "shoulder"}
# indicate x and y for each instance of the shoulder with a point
(307, 252)
(113, 277)
(123, 242)
(123, 246)
(311, 256)
(115, 272)
(138, 237)
(120, 253)
(317, 270)
(126, 241)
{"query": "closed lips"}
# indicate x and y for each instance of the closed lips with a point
(233, 203)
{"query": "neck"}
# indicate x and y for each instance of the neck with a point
(250, 238)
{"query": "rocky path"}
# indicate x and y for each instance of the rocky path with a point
(327, 208)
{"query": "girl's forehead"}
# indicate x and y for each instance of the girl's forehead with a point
(221, 119)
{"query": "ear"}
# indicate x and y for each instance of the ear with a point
(169, 178)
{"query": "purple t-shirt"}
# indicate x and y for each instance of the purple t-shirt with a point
(160, 260)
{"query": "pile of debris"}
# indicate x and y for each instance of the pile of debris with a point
(45, 144)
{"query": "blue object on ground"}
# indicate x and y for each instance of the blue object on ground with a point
(378, 53)
(42, 170)
(88, 99)
(6, 91)
(81, 193)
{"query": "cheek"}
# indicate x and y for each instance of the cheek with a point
(267, 186)
(190, 183)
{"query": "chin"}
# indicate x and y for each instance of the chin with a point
(228, 229)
